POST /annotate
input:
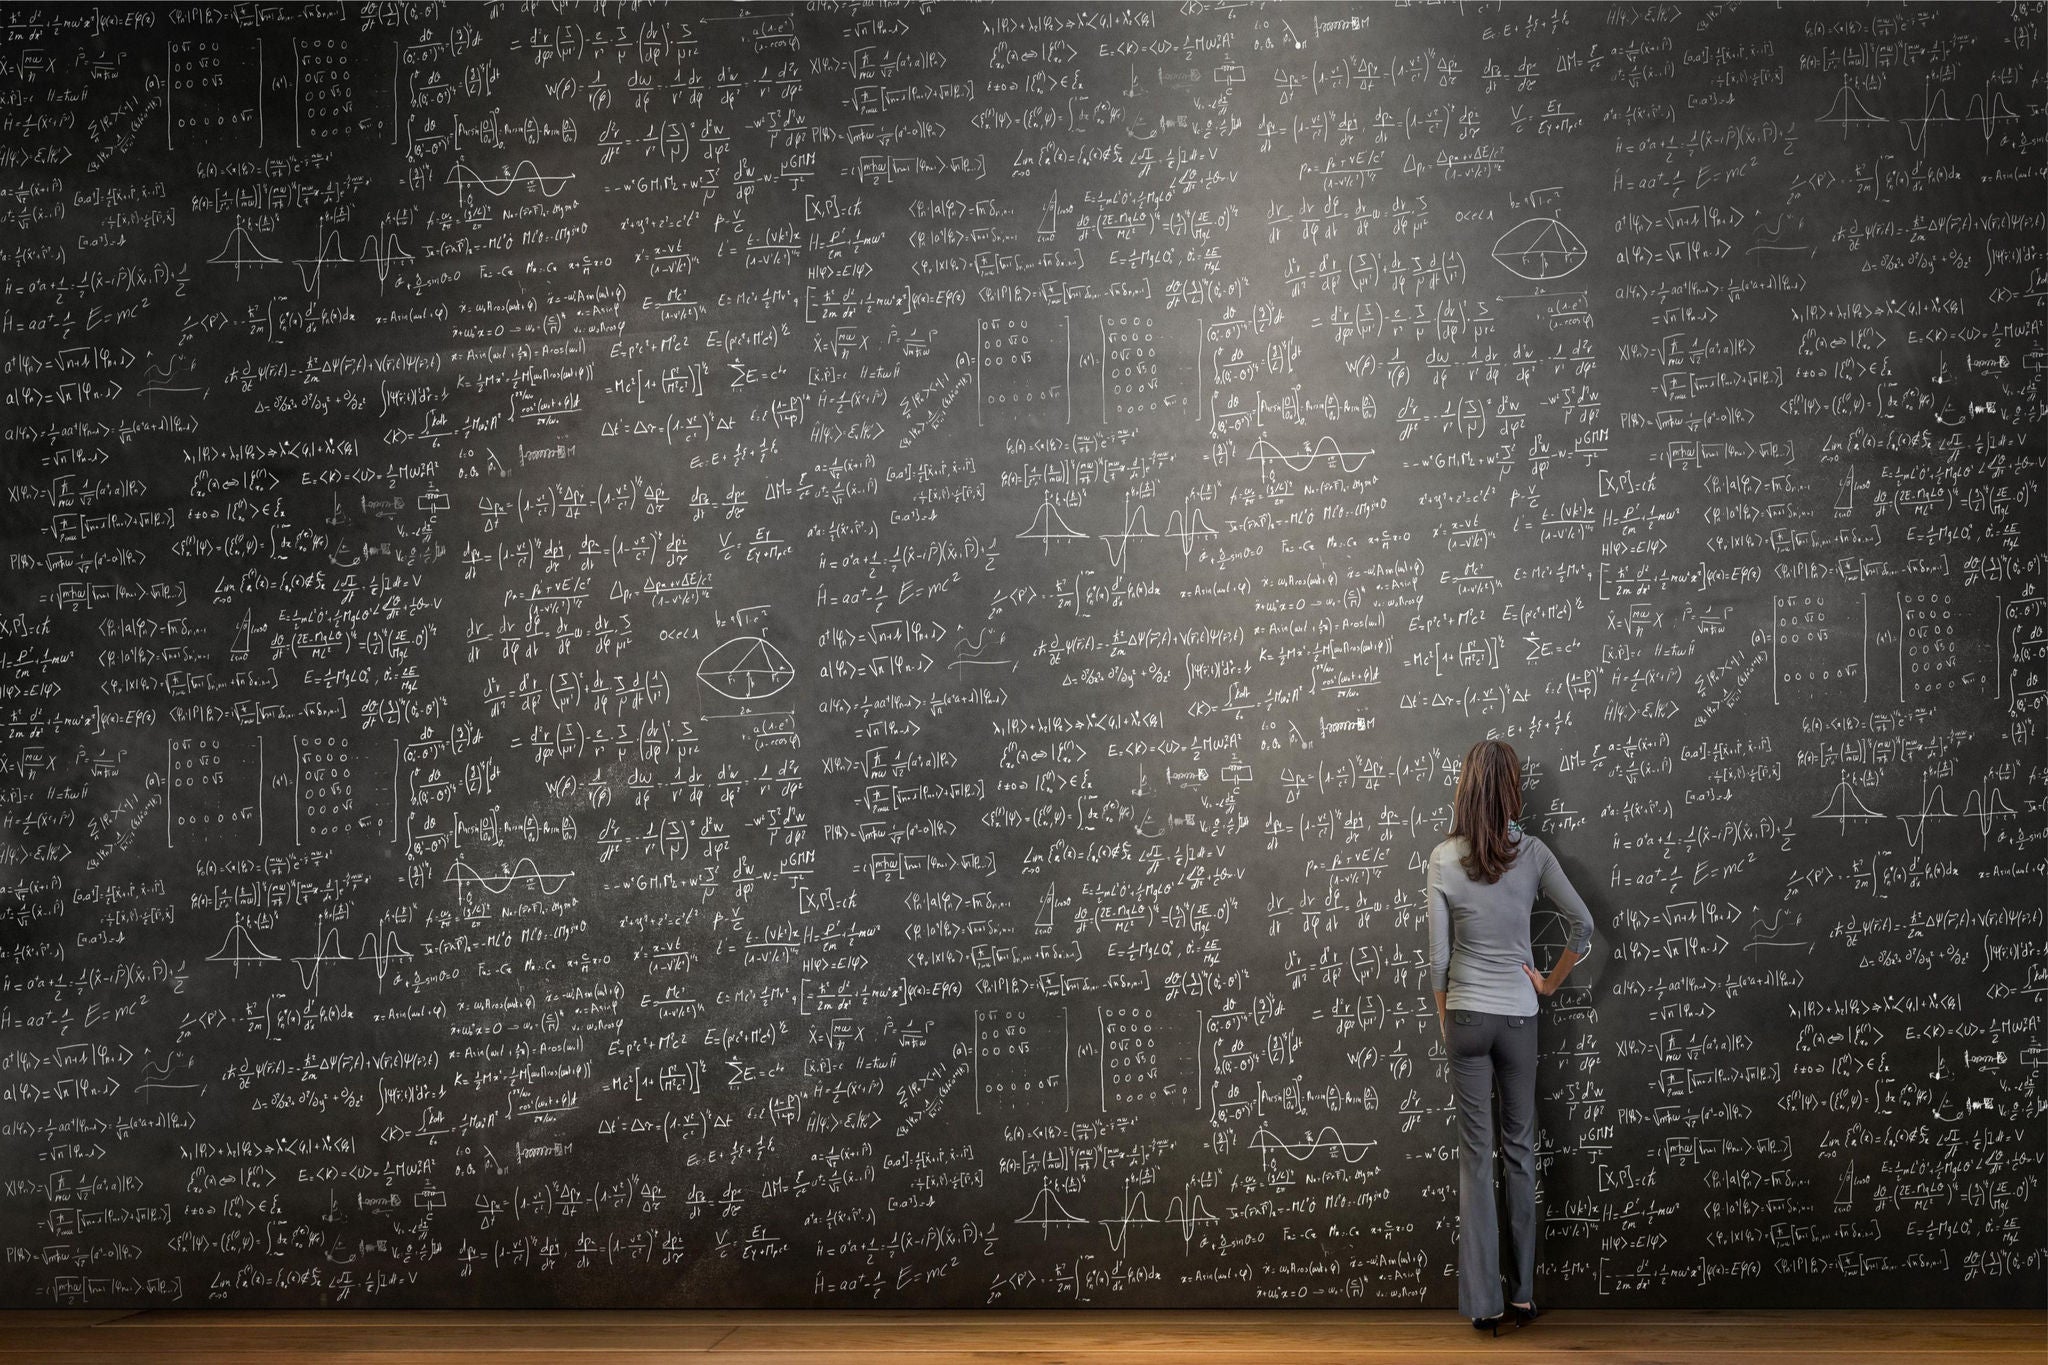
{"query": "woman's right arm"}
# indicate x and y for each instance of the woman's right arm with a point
(1559, 970)
(1559, 889)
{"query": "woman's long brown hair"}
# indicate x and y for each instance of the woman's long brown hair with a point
(1489, 795)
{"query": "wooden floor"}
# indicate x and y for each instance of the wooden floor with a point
(1003, 1337)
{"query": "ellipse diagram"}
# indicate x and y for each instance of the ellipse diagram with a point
(1540, 249)
(746, 668)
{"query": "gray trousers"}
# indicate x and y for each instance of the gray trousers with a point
(1494, 1054)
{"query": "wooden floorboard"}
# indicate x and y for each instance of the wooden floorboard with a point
(1011, 1337)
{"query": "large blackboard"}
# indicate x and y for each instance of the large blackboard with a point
(768, 655)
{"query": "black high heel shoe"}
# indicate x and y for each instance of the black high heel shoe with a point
(1524, 1315)
(1491, 1324)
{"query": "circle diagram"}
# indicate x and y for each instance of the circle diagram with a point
(746, 668)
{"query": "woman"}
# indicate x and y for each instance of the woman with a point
(1482, 885)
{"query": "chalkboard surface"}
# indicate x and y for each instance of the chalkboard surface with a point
(769, 654)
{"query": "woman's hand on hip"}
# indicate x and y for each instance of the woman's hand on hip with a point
(1545, 985)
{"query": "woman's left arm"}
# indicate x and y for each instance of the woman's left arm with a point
(1439, 916)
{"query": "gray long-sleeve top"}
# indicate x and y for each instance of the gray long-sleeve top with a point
(1479, 933)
